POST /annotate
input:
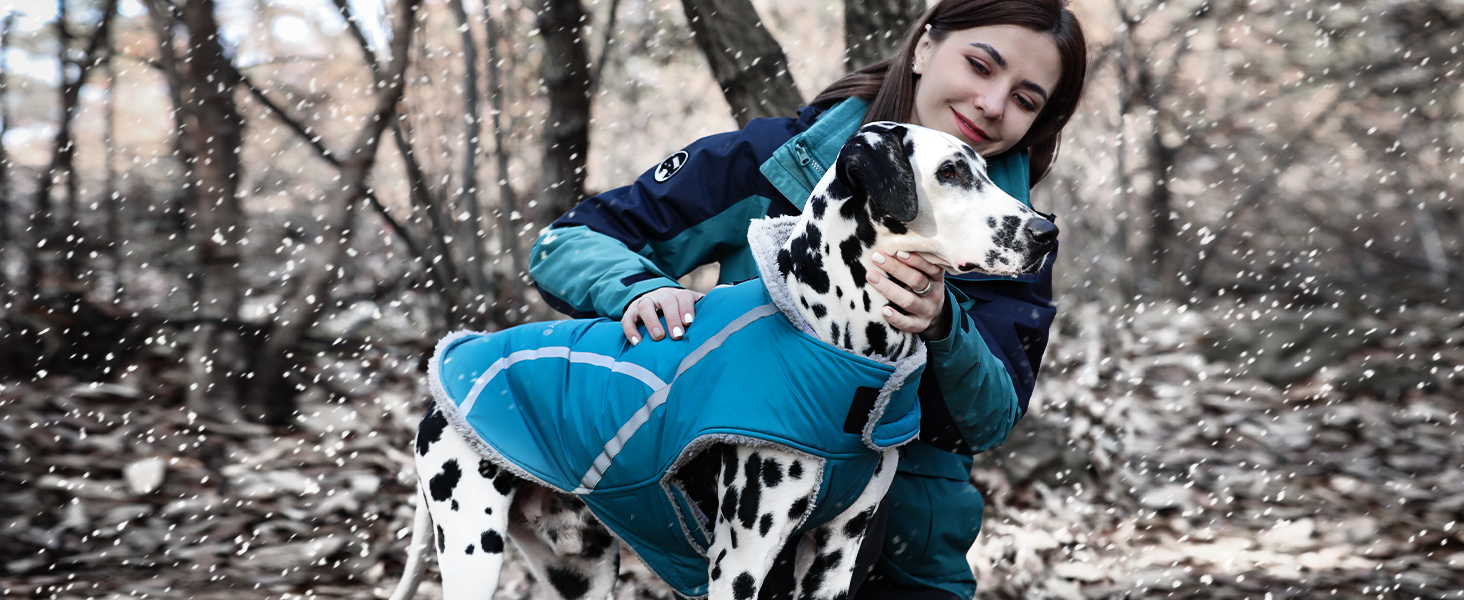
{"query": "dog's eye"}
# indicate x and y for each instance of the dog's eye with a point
(948, 174)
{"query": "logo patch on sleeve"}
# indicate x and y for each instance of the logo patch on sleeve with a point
(670, 166)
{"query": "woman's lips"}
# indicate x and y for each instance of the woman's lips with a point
(969, 129)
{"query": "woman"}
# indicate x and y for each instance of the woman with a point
(1002, 75)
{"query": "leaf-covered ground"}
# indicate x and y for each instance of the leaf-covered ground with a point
(1237, 452)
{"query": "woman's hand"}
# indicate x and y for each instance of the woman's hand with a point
(922, 297)
(678, 304)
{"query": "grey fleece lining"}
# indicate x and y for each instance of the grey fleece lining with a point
(765, 237)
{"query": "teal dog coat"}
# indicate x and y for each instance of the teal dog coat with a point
(572, 405)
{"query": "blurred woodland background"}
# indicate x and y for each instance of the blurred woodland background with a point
(231, 231)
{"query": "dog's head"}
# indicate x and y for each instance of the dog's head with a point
(931, 195)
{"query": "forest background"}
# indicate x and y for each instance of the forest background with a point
(231, 232)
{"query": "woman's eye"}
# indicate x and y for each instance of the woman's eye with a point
(1026, 104)
(980, 68)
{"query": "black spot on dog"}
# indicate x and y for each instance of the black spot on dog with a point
(804, 301)
(805, 263)
(817, 205)
(838, 292)
(488, 510)
(487, 469)
(991, 223)
(772, 473)
(717, 567)
(729, 505)
(848, 339)
(799, 507)
(597, 540)
(750, 502)
(795, 470)
(850, 250)
(744, 587)
(430, 431)
(765, 524)
(834, 331)
(442, 484)
(492, 542)
(895, 226)
(504, 485)
(729, 465)
(866, 301)
(819, 310)
(454, 504)
(822, 565)
(441, 540)
(469, 550)
(569, 584)
(874, 334)
(857, 525)
(732, 536)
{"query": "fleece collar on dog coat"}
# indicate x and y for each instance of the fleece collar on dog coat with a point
(573, 406)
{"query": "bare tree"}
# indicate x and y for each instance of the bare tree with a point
(58, 257)
(217, 359)
(873, 29)
(268, 393)
(747, 62)
(6, 26)
(566, 72)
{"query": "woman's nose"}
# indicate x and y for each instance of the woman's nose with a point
(991, 104)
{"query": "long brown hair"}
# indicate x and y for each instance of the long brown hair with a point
(891, 91)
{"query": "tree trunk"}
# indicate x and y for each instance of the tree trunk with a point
(59, 244)
(748, 63)
(472, 227)
(874, 29)
(566, 72)
(217, 359)
(5, 282)
(268, 390)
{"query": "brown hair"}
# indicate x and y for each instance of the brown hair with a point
(891, 92)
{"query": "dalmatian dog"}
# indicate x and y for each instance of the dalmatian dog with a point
(895, 188)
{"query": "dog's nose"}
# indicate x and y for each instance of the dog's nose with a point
(1042, 231)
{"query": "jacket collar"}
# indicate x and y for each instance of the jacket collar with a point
(799, 163)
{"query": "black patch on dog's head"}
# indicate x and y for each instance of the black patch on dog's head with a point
(880, 171)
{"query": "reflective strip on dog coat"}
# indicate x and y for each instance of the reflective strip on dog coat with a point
(572, 405)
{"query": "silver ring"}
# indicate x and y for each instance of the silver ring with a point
(929, 285)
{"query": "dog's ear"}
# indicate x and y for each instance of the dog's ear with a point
(874, 162)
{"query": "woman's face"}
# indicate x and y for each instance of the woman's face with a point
(985, 85)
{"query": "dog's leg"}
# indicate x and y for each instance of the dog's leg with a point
(468, 498)
(764, 495)
(566, 546)
(822, 571)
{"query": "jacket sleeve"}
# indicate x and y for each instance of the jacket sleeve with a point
(986, 369)
(622, 243)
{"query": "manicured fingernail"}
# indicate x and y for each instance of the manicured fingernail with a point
(686, 318)
(877, 258)
(635, 340)
(871, 277)
(903, 255)
(676, 333)
(888, 312)
(656, 333)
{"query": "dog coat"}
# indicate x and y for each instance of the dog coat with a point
(574, 406)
